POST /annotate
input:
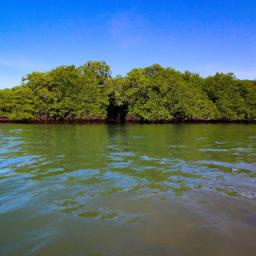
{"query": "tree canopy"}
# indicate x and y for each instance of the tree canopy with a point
(150, 94)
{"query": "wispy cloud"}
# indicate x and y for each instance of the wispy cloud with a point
(13, 69)
(128, 29)
(8, 81)
(22, 64)
(245, 72)
(250, 73)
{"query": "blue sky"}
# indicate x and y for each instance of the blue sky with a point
(202, 36)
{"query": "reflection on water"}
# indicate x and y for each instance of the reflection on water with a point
(160, 187)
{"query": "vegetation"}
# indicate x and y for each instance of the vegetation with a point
(150, 94)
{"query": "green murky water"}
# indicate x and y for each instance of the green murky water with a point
(183, 189)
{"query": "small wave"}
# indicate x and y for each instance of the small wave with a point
(213, 150)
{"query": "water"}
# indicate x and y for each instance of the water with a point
(183, 189)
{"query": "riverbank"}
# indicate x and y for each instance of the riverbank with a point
(153, 94)
(126, 121)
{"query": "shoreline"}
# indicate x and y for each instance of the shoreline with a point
(129, 121)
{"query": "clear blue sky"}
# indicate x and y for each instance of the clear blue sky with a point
(202, 36)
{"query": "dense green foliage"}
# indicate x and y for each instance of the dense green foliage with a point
(146, 94)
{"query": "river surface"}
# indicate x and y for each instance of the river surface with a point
(155, 190)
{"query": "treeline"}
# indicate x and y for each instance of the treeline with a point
(151, 94)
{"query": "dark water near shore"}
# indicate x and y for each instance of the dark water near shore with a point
(175, 189)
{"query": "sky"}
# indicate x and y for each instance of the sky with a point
(201, 36)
